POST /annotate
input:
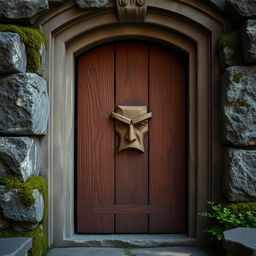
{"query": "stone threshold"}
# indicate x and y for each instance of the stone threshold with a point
(130, 240)
(159, 251)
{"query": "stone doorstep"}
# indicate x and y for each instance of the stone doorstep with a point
(15, 246)
(240, 241)
(166, 251)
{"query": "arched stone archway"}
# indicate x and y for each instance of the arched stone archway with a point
(189, 26)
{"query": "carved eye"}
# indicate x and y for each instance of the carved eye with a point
(122, 125)
(141, 124)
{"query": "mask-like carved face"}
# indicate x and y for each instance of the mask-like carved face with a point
(132, 126)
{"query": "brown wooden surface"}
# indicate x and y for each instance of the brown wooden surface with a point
(95, 136)
(132, 166)
(130, 191)
(167, 140)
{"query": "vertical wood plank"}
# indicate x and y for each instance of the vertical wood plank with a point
(132, 166)
(167, 139)
(95, 140)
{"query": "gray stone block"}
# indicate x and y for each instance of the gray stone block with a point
(19, 155)
(23, 226)
(240, 241)
(249, 41)
(238, 106)
(13, 58)
(229, 50)
(170, 251)
(91, 3)
(240, 10)
(15, 246)
(76, 251)
(21, 11)
(4, 222)
(24, 105)
(240, 175)
(14, 209)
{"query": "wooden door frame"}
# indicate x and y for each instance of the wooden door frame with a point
(193, 28)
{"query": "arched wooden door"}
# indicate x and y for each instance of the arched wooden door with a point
(131, 191)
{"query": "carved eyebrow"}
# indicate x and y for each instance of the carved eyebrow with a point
(141, 118)
(121, 118)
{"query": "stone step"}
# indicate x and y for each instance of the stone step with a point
(159, 251)
(15, 246)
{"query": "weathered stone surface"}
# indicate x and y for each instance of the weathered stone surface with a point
(229, 50)
(13, 56)
(24, 226)
(240, 175)
(21, 10)
(15, 246)
(238, 106)
(15, 210)
(91, 3)
(42, 59)
(169, 251)
(4, 223)
(19, 155)
(24, 104)
(240, 10)
(249, 41)
(240, 241)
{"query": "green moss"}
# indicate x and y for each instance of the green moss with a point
(242, 207)
(233, 41)
(32, 38)
(38, 235)
(237, 77)
(242, 103)
(25, 188)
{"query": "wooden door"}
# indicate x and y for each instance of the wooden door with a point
(131, 191)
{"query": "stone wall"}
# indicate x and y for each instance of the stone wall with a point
(24, 107)
(24, 111)
(237, 57)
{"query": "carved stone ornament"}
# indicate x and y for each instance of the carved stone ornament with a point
(131, 126)
(132, 10)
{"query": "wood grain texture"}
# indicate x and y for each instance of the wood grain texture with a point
(131, 191)
(132, 166)
(167, 140)
(95, 137)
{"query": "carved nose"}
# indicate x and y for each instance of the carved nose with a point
(131, 136)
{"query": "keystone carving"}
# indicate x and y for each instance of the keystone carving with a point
(132, 10)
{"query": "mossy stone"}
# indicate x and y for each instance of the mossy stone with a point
(229, 49)
(237, 77)
(33, 39)
(39, 234)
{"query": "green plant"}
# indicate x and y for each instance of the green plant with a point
(230, 216)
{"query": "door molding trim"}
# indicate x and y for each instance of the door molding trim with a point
(190, 27)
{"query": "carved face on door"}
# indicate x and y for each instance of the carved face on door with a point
(131, 126)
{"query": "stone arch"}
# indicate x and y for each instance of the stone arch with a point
(192, 27)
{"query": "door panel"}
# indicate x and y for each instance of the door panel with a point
(95, 136)
(131, 166)
(167, 139)
(131, 191)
